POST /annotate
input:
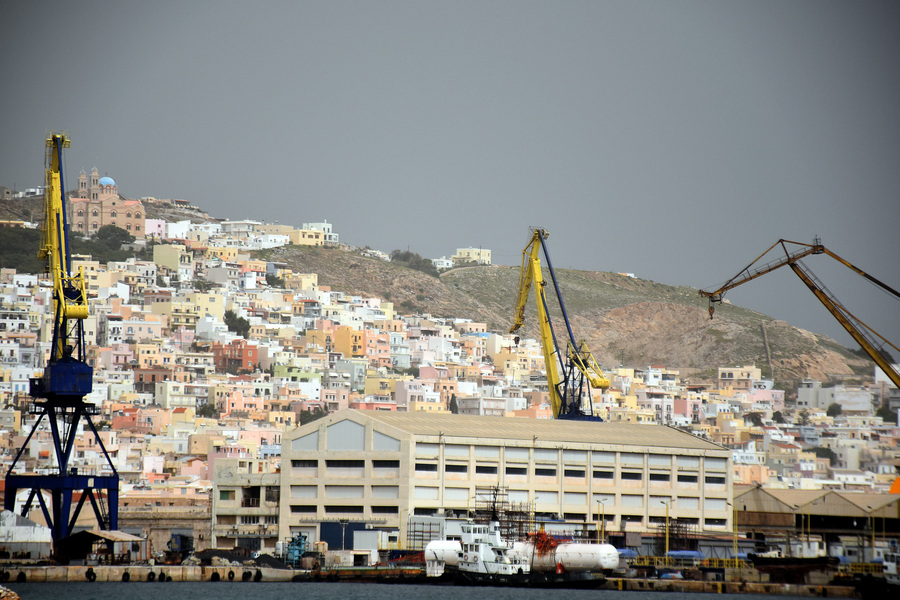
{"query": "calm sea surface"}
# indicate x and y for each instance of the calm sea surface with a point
(322, 591)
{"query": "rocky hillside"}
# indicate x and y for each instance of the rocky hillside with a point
(625, 320)
(22, 209)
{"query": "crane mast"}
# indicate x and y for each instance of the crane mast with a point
(864, 335)
(59, 394)
(570, 375)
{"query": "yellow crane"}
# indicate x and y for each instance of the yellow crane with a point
(59, 394)
(570, 375)
(864, 335)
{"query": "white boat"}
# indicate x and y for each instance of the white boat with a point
(892, 568)
(484, 555)
(480, 555)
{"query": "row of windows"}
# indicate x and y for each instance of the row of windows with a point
(345, 508)
(344, 464)
(635, 519)
(97, 225)
(573, 473)
(95, 213)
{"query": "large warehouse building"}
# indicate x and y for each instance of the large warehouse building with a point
(376, 470)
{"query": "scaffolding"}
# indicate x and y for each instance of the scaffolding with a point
(516, 519)
(683, 534)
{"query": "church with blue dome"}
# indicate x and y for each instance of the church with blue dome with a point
(96, 202)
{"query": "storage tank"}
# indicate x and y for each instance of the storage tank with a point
(446, 551)
(573, 557)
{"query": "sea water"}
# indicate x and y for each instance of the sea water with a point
(322, 591)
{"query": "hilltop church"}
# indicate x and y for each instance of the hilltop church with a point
(96, 203)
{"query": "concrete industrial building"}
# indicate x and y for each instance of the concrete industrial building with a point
(377, 470)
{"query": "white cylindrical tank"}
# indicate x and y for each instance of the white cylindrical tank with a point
(572, 557)
(446, 551)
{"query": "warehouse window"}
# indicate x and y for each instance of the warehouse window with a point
(385, 510)
(632, 476)
(603, 475)
(343, 508)
(659, 477)
(578, 473)
(485, 470)
(345, 464)
(516, 471)
(426, 467)
(718, 480)
(687, 479)
(456, 468)
(304, 464)
(544, 472)
(303, 508)
(386, 464)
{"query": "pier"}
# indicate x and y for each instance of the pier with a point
(247, 575)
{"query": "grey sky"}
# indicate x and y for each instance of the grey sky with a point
(674, 140)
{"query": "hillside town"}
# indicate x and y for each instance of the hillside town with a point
(209, 357)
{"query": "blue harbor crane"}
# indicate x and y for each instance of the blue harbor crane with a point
(58, 396)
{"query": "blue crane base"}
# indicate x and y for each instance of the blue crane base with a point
(62, 490)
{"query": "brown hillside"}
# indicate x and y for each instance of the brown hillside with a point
(625, 321)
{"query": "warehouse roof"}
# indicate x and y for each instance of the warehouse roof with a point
(517, 428)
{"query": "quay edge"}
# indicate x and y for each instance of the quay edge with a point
(244, 574)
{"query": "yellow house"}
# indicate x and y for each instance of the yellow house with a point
(379, 385)
(307, 237)
(178, 314)
(208, 304)
(481, 256)
(349, 341)
(301, 281)
(148, 355)
(170, 256)
(224, 254)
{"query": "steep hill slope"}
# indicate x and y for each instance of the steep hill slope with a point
(625, 320)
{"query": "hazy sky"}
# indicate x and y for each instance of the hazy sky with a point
(674, 140)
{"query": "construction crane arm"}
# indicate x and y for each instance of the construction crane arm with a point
(565, 373)
(859, 331)
(67, 374)
(751, 272)
(529, 277)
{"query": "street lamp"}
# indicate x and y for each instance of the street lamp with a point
(601, 529)
(667, 503)
(872, 525)
(734, 528)
(344, 523)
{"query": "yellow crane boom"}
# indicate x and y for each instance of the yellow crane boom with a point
(859, 331)
(569, 375)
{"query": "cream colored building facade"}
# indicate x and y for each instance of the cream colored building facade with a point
(482, 256)
(378, 469)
